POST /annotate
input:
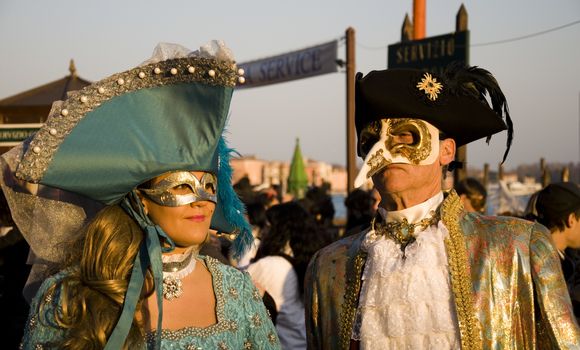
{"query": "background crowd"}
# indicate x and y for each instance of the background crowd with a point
(287, 232)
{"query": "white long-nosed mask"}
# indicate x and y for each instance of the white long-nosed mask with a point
(396, 141)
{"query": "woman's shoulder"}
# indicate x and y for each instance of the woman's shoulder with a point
(233, 281)
(51, 281)
(42, 328)
(228, 273)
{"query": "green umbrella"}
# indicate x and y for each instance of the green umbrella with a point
(297, 179)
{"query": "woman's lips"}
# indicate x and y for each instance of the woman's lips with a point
(196, 218)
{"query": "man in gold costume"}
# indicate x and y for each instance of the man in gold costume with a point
(427, 274)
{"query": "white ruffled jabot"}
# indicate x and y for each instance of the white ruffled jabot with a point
(407, 303)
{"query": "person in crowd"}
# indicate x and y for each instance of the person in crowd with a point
(268, 197)
(359, 206)
(473, 194)
(257, 217)
(318, 203)
(245, 190)
(13, 274)
(428, 274)
(558, 208)
(147, 146)
(280, 264)
(377, 199)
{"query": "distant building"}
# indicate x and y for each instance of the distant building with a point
(263, 172)
(31, 108)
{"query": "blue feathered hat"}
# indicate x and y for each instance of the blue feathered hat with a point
(111, 136)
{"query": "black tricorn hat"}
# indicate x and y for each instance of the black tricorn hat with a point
(454, 102)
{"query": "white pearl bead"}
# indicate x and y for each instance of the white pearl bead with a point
(52, 131)
(241, 80)
(157, 70)
(64, 112)
(141, 75)
(101, 90)
(36, 149)
(211, 73)
(173, 71)
(241, 71)
(120, 81)
(84, 99)
(191, 69)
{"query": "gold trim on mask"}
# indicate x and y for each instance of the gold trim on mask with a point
(377, 162)
(370, 134)
(416, 152)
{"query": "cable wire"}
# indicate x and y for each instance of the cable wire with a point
(383, 47)
(528, 35)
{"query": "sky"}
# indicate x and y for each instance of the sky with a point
(539, 75)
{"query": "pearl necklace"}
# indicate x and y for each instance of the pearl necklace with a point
(176, 267)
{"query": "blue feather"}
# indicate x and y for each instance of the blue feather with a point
(233, 207)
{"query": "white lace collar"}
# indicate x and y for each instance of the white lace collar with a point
(414, 213)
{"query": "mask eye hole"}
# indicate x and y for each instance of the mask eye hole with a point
(209, 183)
(368, 137)
(407, 135)
(209, 187)
(180, 189)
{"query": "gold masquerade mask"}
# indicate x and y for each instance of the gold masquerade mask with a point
(397, 140)
(181, 188)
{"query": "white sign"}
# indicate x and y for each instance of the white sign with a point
(305, 63)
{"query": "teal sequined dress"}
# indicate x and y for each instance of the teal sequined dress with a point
(242, 320)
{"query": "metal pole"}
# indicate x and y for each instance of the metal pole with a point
(350, 129)
(461, 20)
(485, 179)
(419, 11)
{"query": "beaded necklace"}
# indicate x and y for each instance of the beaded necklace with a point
(176, 267)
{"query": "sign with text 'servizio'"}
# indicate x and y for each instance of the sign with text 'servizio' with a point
(432, 54)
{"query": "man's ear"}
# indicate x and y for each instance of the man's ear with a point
(571, 220)
(446, 151)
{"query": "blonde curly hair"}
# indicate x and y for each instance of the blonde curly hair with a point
(92, 295)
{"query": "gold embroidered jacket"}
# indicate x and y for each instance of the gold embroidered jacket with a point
(505, 275)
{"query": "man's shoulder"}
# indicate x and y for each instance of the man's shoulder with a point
(504, 224)
(498, 219)
(340, 250)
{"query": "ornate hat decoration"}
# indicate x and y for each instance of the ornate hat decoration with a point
(454, 102)
(104, 140)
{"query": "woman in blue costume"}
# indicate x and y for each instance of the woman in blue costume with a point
(146, 146)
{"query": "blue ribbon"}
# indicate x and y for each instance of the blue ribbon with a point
(149, 255)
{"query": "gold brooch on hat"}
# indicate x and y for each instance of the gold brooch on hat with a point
(430, 85)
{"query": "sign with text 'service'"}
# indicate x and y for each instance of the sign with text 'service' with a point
(432, 54)
(305, 63)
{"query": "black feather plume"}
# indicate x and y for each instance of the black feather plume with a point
(480, 83)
